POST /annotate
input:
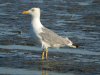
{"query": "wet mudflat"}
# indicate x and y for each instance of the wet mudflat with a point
(76, 19)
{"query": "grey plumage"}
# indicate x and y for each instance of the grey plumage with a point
(53, 39)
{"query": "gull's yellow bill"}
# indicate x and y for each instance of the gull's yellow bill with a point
(25, 12)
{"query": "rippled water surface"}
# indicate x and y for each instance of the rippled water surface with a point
(77, 19)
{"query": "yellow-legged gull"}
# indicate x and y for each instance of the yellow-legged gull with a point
(44, 36)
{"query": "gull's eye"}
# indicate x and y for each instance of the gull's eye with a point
(32, 9)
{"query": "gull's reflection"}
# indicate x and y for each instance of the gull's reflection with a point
(44, 66)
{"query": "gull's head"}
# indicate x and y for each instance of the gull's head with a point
(33, 11)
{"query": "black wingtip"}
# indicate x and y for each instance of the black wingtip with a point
(77, 46)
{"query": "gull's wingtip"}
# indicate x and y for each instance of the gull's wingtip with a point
(75, 46)
(71, 44)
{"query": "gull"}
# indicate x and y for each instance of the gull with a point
(43, 36)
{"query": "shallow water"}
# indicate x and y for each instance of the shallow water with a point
(15, 71)
(76, 19)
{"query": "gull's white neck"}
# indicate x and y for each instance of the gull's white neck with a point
(36, 24)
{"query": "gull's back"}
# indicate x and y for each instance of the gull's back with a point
(53, 39)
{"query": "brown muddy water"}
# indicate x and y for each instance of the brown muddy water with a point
(77, 19)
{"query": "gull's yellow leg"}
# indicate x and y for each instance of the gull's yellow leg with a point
(46, 53)
(43, 54)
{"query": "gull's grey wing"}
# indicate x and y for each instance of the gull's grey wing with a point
(53, 39)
